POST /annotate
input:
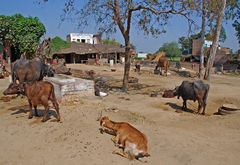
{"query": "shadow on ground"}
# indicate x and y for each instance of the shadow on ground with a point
(177, 107)
(25, 108)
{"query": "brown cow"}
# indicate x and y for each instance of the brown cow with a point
(133, 142)
(39, 92)
(163, 63)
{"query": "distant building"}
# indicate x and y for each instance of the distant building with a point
(84, 38)
(88, 53)
(222, 54)
(207, 44)
(196, 46)
(142, 55)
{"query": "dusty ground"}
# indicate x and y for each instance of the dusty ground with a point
(174, 138)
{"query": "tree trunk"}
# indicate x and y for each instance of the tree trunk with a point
(7, 48)
(213, 49)
(127, 65)
(201, 66)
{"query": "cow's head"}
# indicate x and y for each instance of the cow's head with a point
(104, 120)
(48, 71)
(170, 93)
(13, 88)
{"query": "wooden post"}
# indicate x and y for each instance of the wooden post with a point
(115, 57)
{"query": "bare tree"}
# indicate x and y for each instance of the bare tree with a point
(150, 16)
(201, 66)
(219, 6)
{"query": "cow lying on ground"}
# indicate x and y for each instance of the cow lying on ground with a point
(196, 90)
(39, 92)
(131, 140)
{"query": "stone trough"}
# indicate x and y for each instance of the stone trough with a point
(64, 85)
(226, 109)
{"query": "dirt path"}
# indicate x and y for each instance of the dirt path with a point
(174, 138)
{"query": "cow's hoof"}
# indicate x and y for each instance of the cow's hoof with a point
(43, 120)
(203, 113)
(30, 117)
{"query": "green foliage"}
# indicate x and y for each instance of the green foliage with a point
(149, 16)
(222, 37)
(58, 43)
(174, 58)
(23, 33)
(111, 42)
(171, 49)
(185, 43)
(236, 25)
(5, 26)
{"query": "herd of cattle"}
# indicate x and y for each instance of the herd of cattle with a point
(27, 76)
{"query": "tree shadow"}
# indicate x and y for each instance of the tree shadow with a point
(177, 107)
(24, 109)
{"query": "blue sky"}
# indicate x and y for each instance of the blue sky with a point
(50, 12)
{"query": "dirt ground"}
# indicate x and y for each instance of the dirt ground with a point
(174, 138)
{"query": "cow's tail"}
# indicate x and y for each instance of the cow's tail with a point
(206, 94)
(53, 98)
(55, 102)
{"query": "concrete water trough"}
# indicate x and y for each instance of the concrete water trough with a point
(64, 85)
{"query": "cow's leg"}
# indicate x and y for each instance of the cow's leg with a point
(115, 140)
(35, 109)
(122, 142)
(30, 109)
(184, 104)
(204, 107)
(126, 151)
(121, 153)
(199, 108)
(45, 115)
(200, 105)
(165, 70)
(56, 106)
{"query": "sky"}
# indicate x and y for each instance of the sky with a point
(49, 14)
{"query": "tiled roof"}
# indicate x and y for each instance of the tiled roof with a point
(84, 48)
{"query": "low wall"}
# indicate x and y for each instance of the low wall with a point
(64, 85)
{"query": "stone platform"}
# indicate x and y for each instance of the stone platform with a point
(64, 85)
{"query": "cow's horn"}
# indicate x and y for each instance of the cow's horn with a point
(17, 81)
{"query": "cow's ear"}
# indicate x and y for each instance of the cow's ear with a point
(23, 84)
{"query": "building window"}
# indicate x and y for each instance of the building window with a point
(78, 40)
(83, 40)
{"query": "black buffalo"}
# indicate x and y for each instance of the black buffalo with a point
(196, 90)
(33, 70)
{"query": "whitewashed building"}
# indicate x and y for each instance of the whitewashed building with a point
(207, 43)
(142, 55)
(84, 38)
